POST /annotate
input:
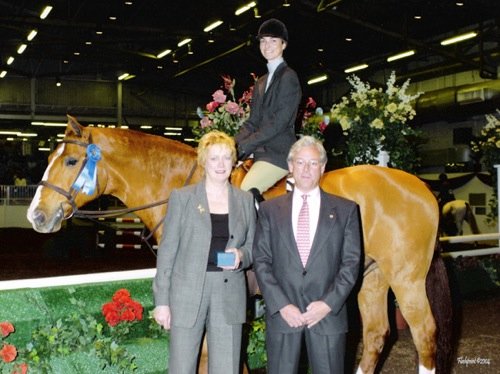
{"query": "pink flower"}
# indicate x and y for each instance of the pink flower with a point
(21, 369)
(205, 122)
(211, 106)
(310, 104)
(6, 328)
(322, 126)
(232, 107)
(8, 353)
(228, 83)
(246, 98)
(219, 96)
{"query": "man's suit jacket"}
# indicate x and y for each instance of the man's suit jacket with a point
(184, 248)
(331, 270)
(269, 132)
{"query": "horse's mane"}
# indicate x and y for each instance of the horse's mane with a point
(137, 139)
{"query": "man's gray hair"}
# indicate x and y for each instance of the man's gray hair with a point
(307, 141)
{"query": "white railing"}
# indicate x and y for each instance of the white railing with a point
(70, 280)
(16, 195)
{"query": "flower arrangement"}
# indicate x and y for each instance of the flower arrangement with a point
(374, 119)
(487, 148)
(314, 121)
(224, 112)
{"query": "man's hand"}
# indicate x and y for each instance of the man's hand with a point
(162, 316)
(292, 315)
(316, 311)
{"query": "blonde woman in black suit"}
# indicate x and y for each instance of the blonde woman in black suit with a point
(192, 292)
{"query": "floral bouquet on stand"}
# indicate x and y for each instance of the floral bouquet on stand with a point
(224, 112)
(487, 148)
(376, 120)
(314, 121)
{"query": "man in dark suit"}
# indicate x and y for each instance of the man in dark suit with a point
(306, 258)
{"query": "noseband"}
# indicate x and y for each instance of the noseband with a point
(73, 191)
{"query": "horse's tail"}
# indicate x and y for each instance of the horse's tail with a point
(438, 293)
(471, 219)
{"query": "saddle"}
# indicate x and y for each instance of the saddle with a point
(279, 188)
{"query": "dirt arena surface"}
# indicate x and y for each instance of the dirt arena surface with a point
(27, 254)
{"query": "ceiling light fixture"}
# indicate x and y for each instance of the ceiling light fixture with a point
(190, 50)
(459, 38)
(213, 25)
(31, 35)
(58, 82)
(355, 68)
(164, 53)
(244, 8)
(256, 12)
(317, 79)
(49, 124)
(3, 73)
(45, 12)
(183, 42)
(10, 60)
(401, 55)
(125, 77)
(22, 48)
(286, 3)
(174, 59)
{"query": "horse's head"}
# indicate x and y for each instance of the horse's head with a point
(72, 179)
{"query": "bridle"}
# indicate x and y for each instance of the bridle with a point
(71, 194)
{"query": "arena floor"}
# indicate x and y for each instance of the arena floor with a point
(27, 254)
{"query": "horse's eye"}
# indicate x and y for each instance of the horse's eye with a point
(70, 161)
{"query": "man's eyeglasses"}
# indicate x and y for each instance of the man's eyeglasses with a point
(301, 163)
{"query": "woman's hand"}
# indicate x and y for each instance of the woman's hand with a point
(162, 316)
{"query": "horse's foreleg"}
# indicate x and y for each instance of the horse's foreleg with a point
(372, 300)
(414, 306)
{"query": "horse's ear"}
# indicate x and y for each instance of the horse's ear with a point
(73, 127)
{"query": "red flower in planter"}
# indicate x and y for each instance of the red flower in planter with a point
(8, 353)
(6, 328)
(20, 369)
(122, 308)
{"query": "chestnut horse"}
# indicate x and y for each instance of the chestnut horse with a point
(399, 218)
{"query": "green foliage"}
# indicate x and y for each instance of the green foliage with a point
(487, 148)
(76, 333)
(256, 349)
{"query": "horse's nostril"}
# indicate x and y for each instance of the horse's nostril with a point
(38, 217)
